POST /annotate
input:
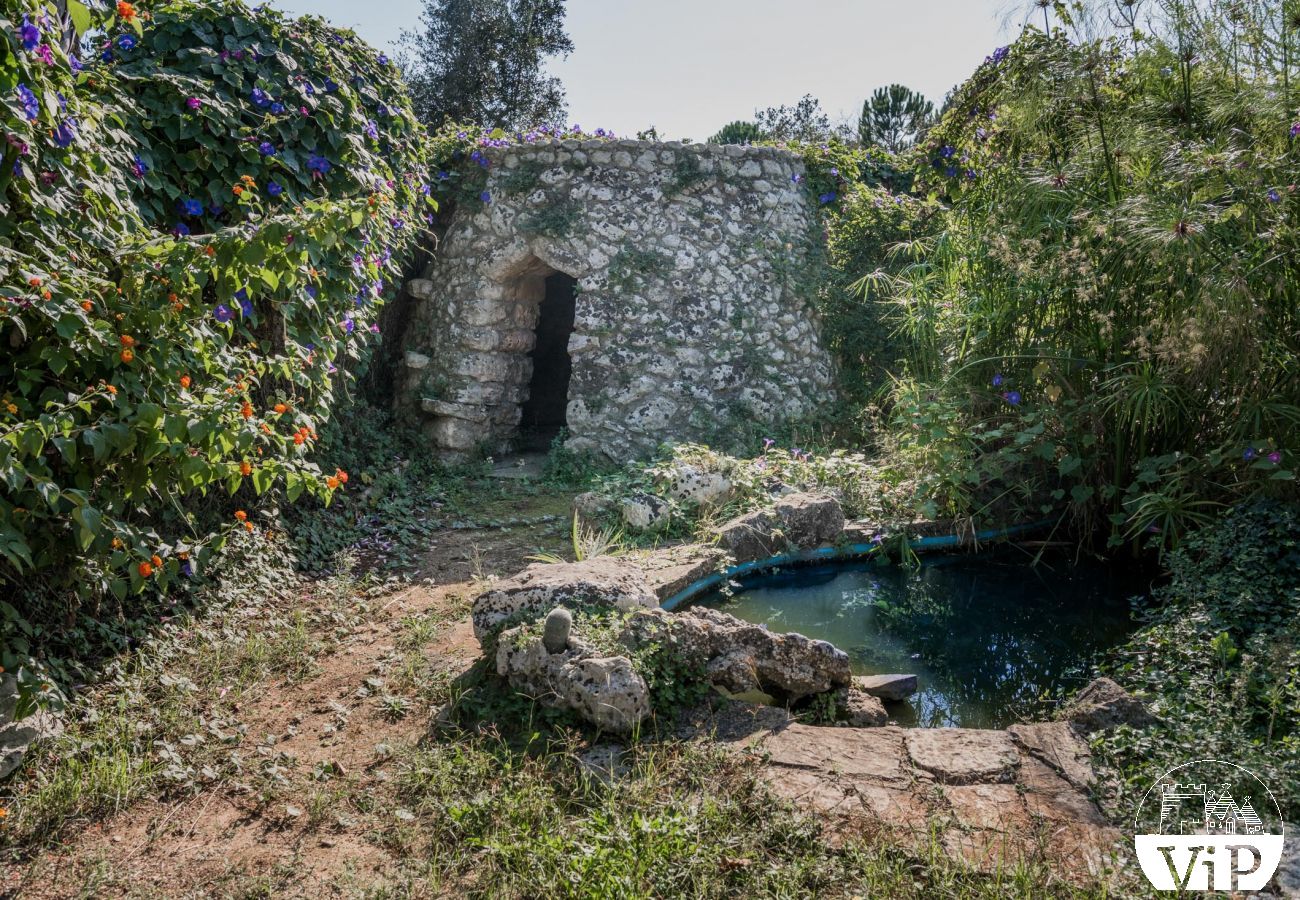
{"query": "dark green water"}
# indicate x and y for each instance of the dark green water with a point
(988, 636)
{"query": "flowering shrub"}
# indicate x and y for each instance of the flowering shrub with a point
(200, 225)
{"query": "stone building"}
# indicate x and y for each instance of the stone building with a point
(627, 291)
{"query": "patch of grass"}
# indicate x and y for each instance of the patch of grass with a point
(633, 266)
(556, 219)
(684, 820)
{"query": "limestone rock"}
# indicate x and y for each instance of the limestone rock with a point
(604, 690)
(591, 504)
(691, 484)
(645, 512)
(810, 520)
(602, 582)
(749, 537)
(742, 657)
(887, 687)
(797, 519)
(1103, 705)
(17, 736)
(860, 709)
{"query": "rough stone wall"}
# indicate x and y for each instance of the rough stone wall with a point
(693, 303)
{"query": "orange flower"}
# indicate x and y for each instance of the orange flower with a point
(248, 526)
(332, 482)
(125, 10)
(45, 295)
(281, 408)
(117, 543)
(34, 282)
(183, 555)
(172, 297)
(87, 305)
(110, 389)
(239, 191)
(127, 356)
(127, 341)
(342, 475)
(210, 250)
(145, 570)
(299, 439)
(248, 180)
(266, 429)
(246, 411)
(156, 560)
(241, 515)
(245, 468)
(185, 382)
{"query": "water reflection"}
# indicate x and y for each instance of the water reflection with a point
(988, 636)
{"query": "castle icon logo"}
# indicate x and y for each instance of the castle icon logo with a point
(1209, 825)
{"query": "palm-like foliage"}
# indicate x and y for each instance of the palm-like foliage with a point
(1123, 231)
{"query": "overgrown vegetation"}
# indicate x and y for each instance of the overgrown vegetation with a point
(199, 226)
(1223, 635)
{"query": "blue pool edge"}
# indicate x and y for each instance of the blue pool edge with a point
(845, 551)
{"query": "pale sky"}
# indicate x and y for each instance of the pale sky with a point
(690, 66)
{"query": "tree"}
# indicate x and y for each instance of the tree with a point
(805, 121)
(894, 118)
(481, 62)
(738, 133)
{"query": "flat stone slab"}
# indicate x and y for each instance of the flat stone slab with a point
(996, 801)
(963, 755)
(887, 687)
(670, 570)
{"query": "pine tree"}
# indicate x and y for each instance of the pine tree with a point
(894, 118)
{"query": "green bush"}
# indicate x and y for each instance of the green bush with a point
(199, 228)
(1219, 658)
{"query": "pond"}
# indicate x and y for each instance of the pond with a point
(988, 636)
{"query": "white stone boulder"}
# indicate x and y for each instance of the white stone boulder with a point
(740, 656)
(604, 690)
(602, 583)
(645, 512)
(691, 484)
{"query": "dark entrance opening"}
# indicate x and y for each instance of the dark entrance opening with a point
(545, 410)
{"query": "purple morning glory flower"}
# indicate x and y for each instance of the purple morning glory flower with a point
(31, 106)
(313, 291)
(223, 313)
(194, 103)
(107, 55)
(191, 207)
(66, 133)
(1274, 196)
(31, 35)
(266, 148)
(186, 569)
(828, 197)
(374, 328)
(999, 54)
(486, 197)
(260, 98)
(1295, 129)
(947, 151)
(126, 42)
(274, 188)
(348, 325)
(796, 178)
(180, 229)
(1250, 454)
(46, 54)
(383, 59)
(1275, 457)
(372, 130)
(139, 167)
(277, 108)
(997, 380)
(319, 165)
(1012, 397)
(330, 85)
(245, 305)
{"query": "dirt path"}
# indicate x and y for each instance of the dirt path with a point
(328, 742)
